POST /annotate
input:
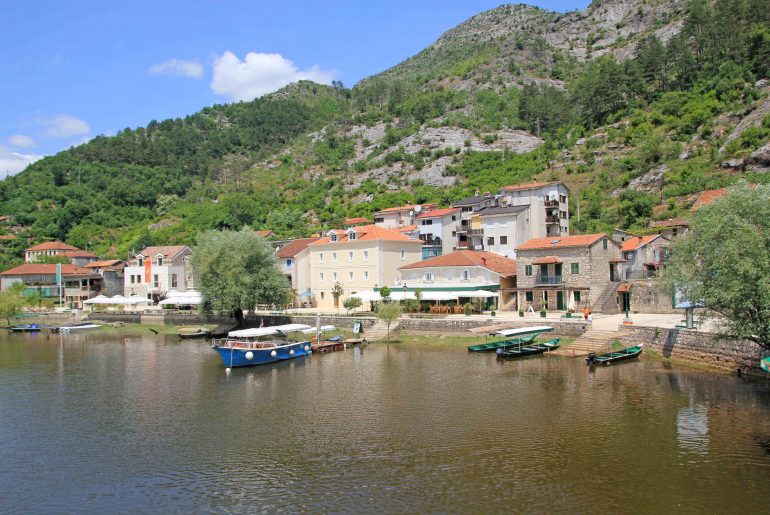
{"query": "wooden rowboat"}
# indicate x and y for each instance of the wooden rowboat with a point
(764, 364)
(502, 344)
(614, 357)
(193, 332)
(528, 350)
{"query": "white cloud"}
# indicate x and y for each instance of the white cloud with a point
(258, 74)
(178, 68)
(12, 163)
(64, 126)
(21, 141)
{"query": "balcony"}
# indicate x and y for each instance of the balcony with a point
(546, 279)
(636, 275)
(551, 203)
(552, 219)
(426, 240)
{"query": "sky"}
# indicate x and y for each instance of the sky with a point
(73, 70)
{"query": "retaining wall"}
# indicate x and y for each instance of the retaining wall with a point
(738, 356)
(460, 325)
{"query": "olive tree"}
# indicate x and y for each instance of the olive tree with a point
(724, 262)
(388, 312)
(351, 303)
(235, 271)
(11, 302)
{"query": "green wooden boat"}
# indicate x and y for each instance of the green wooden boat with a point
(764, 364)
(528, 350)
(502, 344)
(612, 357)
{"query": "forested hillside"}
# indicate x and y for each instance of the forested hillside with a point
(637, 105)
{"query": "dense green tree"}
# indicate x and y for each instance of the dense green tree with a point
(11, 302)
(725, 262)
(235, 271)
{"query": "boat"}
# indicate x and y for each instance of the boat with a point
(764, 364)
(261, 345)
(193, 332)
(613, 357)
(528, 350)
(331, 344)
(80, 326)
(25, 328)
(512, 337)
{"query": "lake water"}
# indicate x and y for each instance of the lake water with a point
(90, 424)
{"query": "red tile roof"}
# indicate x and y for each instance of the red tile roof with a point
(168, 251)
(635, 242)
(405, 208)
(79, 254)
(625, 287)
(530, 186)
(102, 264)
(264, 234)
(671, 222)
(368, 233)
(48, 269)
(582, 240)
(407, 228)
(435, 213)
(51, 245)
(495, 262)
(707, 197)
(7, 237)
(547, 260)
(293, 248)
(359, 220)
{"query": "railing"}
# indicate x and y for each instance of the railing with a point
(475, 232)
(430, 241)
(551, 203)
(632, 275)
(548, 279)
(552, 219)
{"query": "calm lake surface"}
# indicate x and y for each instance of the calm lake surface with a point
(92, 425)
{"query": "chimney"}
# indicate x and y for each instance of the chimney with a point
(477, 193)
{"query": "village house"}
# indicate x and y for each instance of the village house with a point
(464, 273)
(47, 249)
(470, 233)
(401, 216)
(504, 228)
(671, 228)
(568, 272)
(155, 271)
(77, 283)
(294, 261)
(548, 204)
(360, 259)
(111, 272)
(643, 256)
(437, 229)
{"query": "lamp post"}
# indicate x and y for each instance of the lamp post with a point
(404, 299)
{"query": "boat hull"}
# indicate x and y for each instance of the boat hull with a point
(239, 357)
(614, 357)
(529, 350)
(30, 328)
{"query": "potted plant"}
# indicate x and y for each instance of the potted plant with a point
(569, 313)
(493, 313)
(543, 306)
(521, 313)
(468, 309)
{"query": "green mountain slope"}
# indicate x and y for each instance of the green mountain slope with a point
(636, 104)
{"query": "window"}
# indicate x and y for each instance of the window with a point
(334, 276)
(503, 240)
(604, 243)
(454, 234)
(288, 263)
(529, 296)
(563, 215)
(428, 277)
(379, 220)
(159, 260)
(155, 281)
(466, 275)
(350, 275)
(333, 237)
(140, 261)
(449, 275)
(321, 276)
(403, 255)
(334, 257)
(173, 281)
(322, 295)
(321, 257)
(366, 275)
(352, 235)
(629, 256)
(350, 256)
(577, 296)
(366, 255)
(574, 268)
(133, 278)
(491, 241)
(454, 218)
(528, 270)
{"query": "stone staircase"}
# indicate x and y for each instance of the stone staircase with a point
(607, 300)
(379, 331)
(593, 340)
(508, 306)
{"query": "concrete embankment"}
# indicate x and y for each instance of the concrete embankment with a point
(699, 348)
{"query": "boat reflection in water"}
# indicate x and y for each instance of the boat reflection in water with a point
(262, 345)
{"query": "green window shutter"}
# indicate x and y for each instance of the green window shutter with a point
(575, 268)
(528, 296)
(528, 270)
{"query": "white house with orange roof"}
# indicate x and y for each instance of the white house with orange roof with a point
(437, 229)
(360, 259)
(47, 249)
(400, 216)
(155, 271)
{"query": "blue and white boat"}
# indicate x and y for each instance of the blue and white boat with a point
(262, 345)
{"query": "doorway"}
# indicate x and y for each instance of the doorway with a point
(560, 300)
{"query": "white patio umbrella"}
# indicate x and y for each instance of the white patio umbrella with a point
(99, 299)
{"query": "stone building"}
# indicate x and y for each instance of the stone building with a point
(671, 228)
(643, 256)
(568, 272)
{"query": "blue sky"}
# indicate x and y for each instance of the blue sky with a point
(72, 70)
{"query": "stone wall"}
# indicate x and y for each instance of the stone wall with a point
(461, 325)
(698, 347)
(645, 298)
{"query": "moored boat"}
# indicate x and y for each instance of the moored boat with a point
(511, 338)
(528, 350)
(261, 345)
(80, 326)
(764, 364)
(25, 328)
(194, 332)
(613, 357)
(323, 345)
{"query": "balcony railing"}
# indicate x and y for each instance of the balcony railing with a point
(551, 203)
(430, 241)
(548, 279)
(552, 219)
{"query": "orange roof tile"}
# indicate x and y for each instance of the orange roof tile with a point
(635, 242)
(264, 234)
(582, 240)
(625, 287)
(407, 228)
(102, 264)
(48, 269)
(707, 197)
(79, 254)
(495, 262)
(51, 245)
(547, 260)
(530, 186)
(7, 237)
(368, 233)
(435, 213)
(358, 221)
(168, 251)
(293, 248)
